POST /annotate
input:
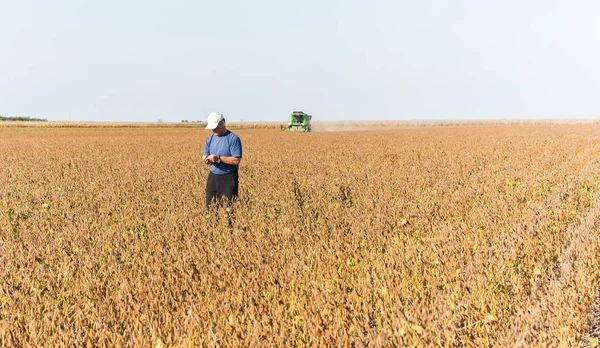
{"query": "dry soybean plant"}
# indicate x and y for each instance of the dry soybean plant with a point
(473, 235)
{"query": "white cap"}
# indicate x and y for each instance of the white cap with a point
(213, 120)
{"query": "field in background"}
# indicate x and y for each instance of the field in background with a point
(317, 126)
(465, 235)
(133, 125)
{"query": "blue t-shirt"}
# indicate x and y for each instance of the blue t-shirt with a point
(227, 144)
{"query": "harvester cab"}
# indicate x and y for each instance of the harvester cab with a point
(298, 121)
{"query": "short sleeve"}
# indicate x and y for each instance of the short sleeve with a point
(206, 146)
(236, 147)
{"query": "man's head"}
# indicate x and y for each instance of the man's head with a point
(216, 122)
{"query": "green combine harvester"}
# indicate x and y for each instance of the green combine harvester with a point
(298, 121)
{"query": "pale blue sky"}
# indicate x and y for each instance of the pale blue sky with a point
(338, 60)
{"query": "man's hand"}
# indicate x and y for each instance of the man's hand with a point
(210, 159)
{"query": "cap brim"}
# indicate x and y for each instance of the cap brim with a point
(212, 126)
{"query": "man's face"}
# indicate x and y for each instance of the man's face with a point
(220, 127)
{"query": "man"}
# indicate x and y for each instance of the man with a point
(223, 152)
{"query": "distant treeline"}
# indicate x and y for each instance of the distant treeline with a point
(20, 118)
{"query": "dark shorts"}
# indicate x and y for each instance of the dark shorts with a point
(221, 186)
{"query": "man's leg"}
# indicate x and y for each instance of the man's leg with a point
(235, 185)
(229, 192)
(228, 186)
(211, 188)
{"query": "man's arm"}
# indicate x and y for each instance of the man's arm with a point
(206, 152)
(234, 161)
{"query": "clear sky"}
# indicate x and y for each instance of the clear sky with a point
(139, 61)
